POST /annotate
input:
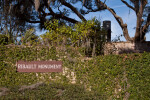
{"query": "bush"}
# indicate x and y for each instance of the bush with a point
(88, 34)
(30, 38)
(3, 39)
(101, 77)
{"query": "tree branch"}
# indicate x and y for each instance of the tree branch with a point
(145, 27)
(128, 5)
(92, 10)
(65, 18)
(119, 20)
(32, 21)
(73, 9)
(60, 15)
(22, 17)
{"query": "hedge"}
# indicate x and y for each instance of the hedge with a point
(125, 76)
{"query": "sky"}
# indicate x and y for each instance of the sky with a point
(128, 16)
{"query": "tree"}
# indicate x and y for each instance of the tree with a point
(39, 11)
(10, 25)
(138, 7)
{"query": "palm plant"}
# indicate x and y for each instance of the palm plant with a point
(29, 37)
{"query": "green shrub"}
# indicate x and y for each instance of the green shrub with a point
(30, 38)
(85, 34)
(101, 77)
(3, 39)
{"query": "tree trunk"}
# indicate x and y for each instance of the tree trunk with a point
(125, 33)
(94, 47)
(138, 32)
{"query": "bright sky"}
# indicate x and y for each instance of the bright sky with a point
(127, 15)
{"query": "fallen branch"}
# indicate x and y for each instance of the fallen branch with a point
(33, 86)
(4, 90)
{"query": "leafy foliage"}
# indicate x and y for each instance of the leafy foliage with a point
(101, 77)
(92, 36)
(86, 34)
(29, 37)
(54, 91)
(11, 26)
(59, 35)
(3, 39)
